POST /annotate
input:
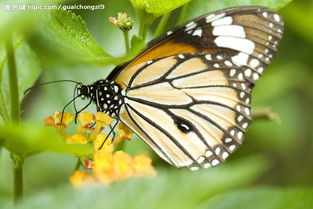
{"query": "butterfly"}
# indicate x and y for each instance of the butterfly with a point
(188, 94)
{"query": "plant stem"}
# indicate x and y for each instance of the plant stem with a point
(4, 112)
(126, 39)
(182, 14)
(4, 109)
(15, 117)
(18, 176)
(161, 25)
(15, 106)
(145, 20)
(265, 113)
(77, 165)
(142, 30)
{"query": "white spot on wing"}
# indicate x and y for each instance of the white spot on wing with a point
(232, 72)
(219, 57)
(228, 63)
(227, 140)
(239, 135)
(207, 165)
(190, 25)
(169, 33)
(208, 57)
(232, 132)
(260, 69)
(181, 56)
(248, 72)
(225, 155)
(240, 59)
(212, 17)
(201, 159)
(208, 153)
(229, 30)
(216, 65)
(232, 147)
(223, 21)
(256, 76)
(254, 63)
(197, 32)
(247, 111)
(217, 151)
(276, 17)
(240, 76)
(240, 117)
(215, 162)
(239, 44)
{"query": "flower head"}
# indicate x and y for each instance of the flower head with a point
(123, 21)
(107, 164)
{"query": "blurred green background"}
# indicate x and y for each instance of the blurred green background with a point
(272, 169)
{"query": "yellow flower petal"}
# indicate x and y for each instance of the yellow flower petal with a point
(85, 118)
(67, 118)
(103, 166)
(106, 146)
(123, 130)
(77, 139)
(143, 166)
(122, 166)
(49, 121)
(79, 179)
(103, 119)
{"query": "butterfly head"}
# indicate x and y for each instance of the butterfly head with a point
(83, 91)
(107, 95)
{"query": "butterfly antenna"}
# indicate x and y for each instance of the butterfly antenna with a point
(76, 115)
(67, 106)
(74, 94)
(45, 83)
(111, 131)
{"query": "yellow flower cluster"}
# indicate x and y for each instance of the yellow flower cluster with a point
(107, 164)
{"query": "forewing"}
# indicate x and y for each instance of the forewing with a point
(248, 35)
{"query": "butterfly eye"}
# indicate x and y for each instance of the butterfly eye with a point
(183, 125)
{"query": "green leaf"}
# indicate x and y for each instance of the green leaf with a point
(263, 198)
(26, 138)
(169, 189)
(137, 45)
(28, 70)
(297, 15)
(199, 7)
(22, 21)
(4, 112)
(158, 7)
(67, 33)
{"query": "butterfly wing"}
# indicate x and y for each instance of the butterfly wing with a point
(188, 93)
(191, 114)
(253, 31)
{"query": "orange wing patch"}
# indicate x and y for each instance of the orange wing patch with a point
(166, 48)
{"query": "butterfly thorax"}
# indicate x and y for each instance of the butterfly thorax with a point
(107, 95)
